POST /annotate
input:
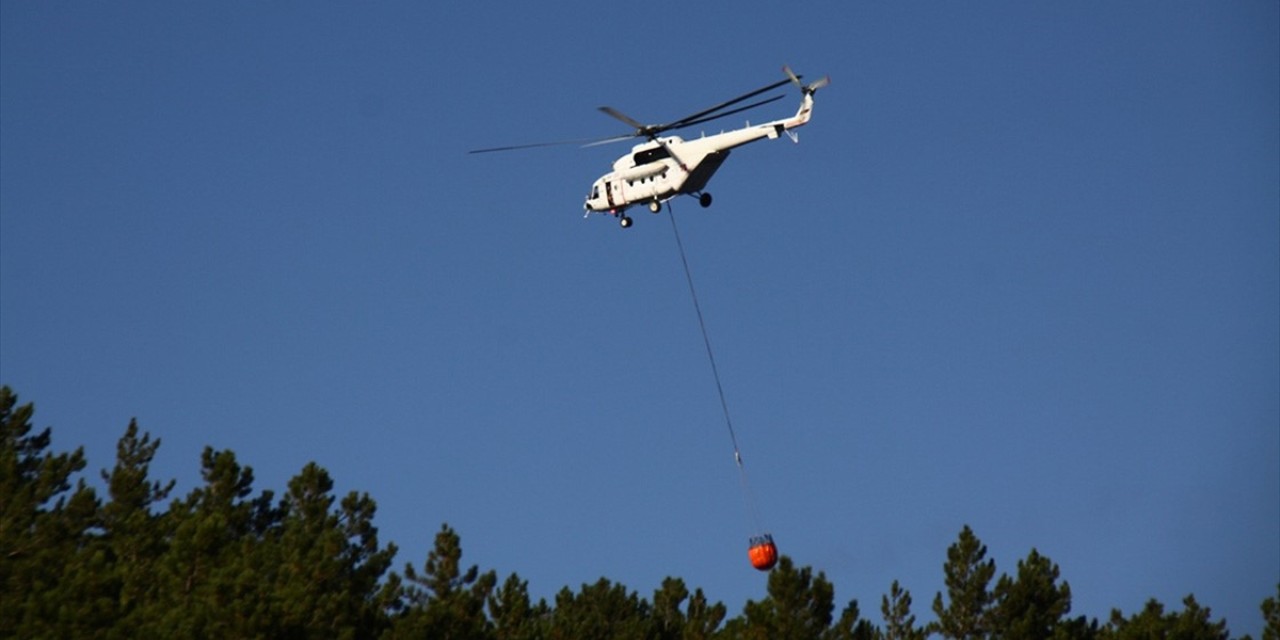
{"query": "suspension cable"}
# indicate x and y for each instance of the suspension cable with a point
(715, 372)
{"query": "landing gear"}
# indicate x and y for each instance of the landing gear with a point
(704, 200)
(655, 206)
(624, 221)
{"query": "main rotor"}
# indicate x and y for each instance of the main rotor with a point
(652, 131)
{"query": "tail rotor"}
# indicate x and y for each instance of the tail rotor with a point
(807, 89)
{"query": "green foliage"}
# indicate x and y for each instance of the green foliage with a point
(326, 564)
(899, 623)
(1152, 623)
(603, 609)
(217, 563)
(1271, 616)
(224, 562)
(211, 578)
(968, 573)
(444, 601)
(44, 534)
(513, 616)
(135, 537)
(798, 607)
(1032, 605)
(850, 626)
(697, 621)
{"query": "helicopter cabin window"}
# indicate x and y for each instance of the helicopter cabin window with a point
(650, 155)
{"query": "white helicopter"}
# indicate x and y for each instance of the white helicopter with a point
(667, 166)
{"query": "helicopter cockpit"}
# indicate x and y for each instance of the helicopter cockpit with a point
(597, 200)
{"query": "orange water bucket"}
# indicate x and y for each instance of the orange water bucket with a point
(763, 552)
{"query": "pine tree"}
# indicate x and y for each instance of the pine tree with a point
(220, 563)
(899, 623)
(1033, 605)
(1192, 623)
(603, 609)
(671, 622)
(851, 626)
(968, 574)
(45, 534)
(513, 616)
(327, 581)
(445, 602)
(667, 616)
(134, 534)
(1271, 616)
(702, 617)
(214, 577)
(798, 606)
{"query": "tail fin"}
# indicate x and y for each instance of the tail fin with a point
(806, 104)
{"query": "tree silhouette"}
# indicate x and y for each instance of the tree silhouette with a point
(224, 562)
(967, 574)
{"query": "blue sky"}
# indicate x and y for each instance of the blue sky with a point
(1021, 272)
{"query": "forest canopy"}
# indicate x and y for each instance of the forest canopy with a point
(126, 560)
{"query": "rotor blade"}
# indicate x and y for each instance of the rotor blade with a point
(640, 128)
(652, 130)
(706, 112)
(795, 79)
(555, 143)
(514, 147)
(596, 143)
(728, 113)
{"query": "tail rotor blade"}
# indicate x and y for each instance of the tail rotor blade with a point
(795, 79)
(807, 88)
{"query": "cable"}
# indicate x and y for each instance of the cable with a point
(715, 372)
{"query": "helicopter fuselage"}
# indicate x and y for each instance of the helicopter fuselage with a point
(665, 167)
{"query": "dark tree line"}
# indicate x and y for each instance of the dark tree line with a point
(224, 562)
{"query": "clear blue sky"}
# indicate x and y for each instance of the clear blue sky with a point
(1021, 272)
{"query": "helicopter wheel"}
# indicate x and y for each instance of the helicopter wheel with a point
(625, 222)
(704, 200)
(655, 206)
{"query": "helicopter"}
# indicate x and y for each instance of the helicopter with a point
(664, 167)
